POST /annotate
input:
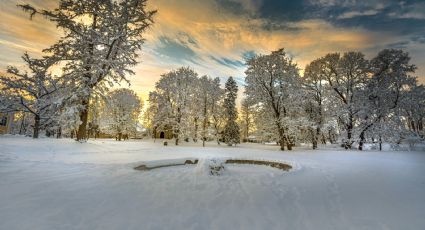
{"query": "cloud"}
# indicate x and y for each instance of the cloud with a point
(248, 54)
(415, 10)
(250, 7)
(419, 39)
(399, 45)
(228, 62)
(352, 14)
(175, 49)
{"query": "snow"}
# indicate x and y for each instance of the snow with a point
(63, 184)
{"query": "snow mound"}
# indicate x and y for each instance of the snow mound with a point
(210, 166)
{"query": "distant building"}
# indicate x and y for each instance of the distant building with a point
(253, 139)
(163, 133)
(6, 120)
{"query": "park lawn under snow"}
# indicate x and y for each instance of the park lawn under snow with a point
(62, 184)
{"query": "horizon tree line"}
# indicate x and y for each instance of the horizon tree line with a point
(340, 98)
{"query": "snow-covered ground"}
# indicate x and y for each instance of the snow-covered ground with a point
(62, 184)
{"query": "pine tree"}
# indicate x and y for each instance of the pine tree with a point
(231, 129)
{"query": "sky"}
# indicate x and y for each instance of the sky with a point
(214, 37)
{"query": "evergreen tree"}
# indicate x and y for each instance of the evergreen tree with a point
(231, 129)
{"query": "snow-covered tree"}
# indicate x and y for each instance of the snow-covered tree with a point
(231, 133)
(206, 102)
(413, 106)
(100, 43)
(30, 91)
(346, 76)
(172, 97)
(265, 127)
(121, 113)
(149, 115)
(217, 109)
(97, 106)
(247, 118)
(316, 98)
(385, 90)
(272, 82)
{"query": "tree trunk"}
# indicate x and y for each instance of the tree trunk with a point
(380, 143)
(22, 128)
(247, 123)
(314, 140)
(331, 137)
(84, 114)
(179, 119)
(323, 138)
(119, 136)
(362, 139)
(348, 142)
(204, 124)
(195, 136)
(177, 139)
(282, 139)
(59, 133)
(204, 132)
(289, 144)
(36, 126)
(216, 133)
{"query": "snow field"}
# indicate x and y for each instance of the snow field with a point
(61, 184)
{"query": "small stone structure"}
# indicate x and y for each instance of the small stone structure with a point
(163, 134)
(6, 120)
(216, 167)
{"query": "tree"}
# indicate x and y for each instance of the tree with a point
(272, 82)
(99, 44)
(247, 116)
(413, 105)
(217, 110)
(316, 93)
(30, 92)
(231, 129)
(172, 97)
(209, 96)
(121, 113)
(385, 90)
(346, 76)
(149, 116)
(95, 112)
